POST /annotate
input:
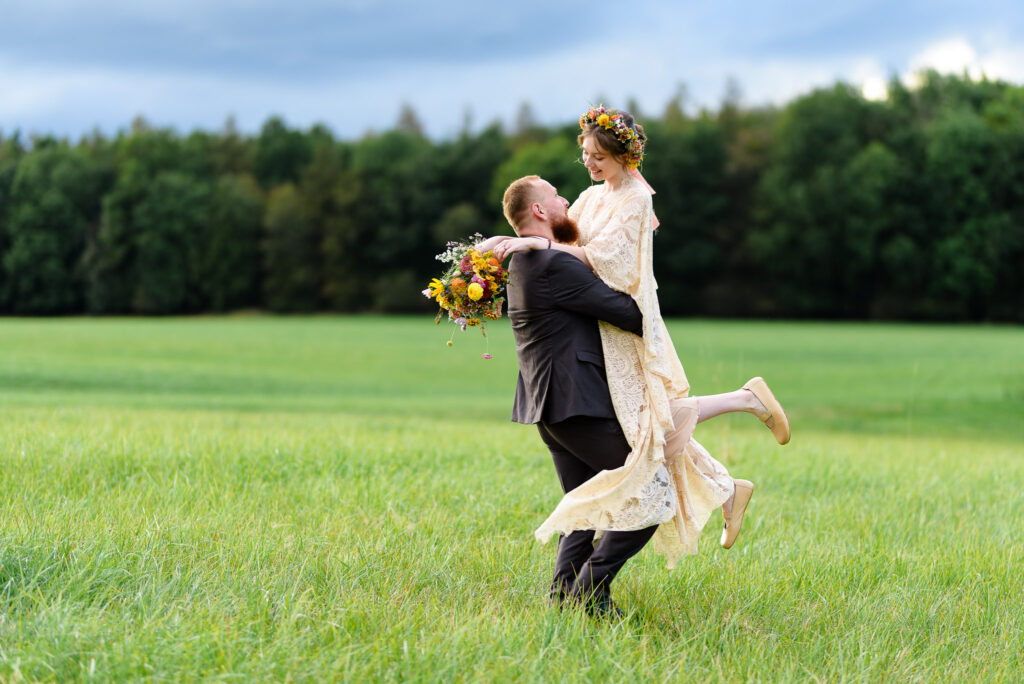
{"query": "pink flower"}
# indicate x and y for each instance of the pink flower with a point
(486, 356)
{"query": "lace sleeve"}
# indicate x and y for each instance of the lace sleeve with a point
(615, 252)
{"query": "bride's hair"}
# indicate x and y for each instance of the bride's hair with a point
(608, 140)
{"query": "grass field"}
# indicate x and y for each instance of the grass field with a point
(345, 499)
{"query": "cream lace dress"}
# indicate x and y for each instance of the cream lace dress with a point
(668, 479)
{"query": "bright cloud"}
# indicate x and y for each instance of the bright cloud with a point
(950, 56)
(958, 55)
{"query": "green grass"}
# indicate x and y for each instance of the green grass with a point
(344, 498)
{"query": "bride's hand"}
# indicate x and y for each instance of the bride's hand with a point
(513, 245)
(490, 243)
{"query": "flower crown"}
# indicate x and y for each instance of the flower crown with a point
(616, 123)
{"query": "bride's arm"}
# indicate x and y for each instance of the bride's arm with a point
(576, 251)
(525, 244)
(490, 243)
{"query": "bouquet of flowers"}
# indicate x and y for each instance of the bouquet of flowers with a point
(471, 289)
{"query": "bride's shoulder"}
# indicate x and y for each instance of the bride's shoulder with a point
(581, 202)
(587, 193)
(635, 196)
(632, 188)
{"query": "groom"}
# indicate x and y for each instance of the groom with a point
(554, 304)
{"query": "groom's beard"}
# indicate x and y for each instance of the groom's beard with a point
(564, 230)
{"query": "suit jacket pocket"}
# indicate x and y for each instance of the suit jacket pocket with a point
(590, 357)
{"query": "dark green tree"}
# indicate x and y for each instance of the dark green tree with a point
(802, 205)
(11, 152)
(229, 152)
(911, 207)
(230, 263)
(290, 253)
(280, 153)
(401, 190)
(110, 257)
(466, 168)
(966, 222)
(52, 203)
(346, 234)
(687, 166)
(169, 224)
(459, 221)
(325, 198)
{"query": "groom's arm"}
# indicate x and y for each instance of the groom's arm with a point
(576, 288)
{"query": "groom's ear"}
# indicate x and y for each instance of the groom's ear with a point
(538, 211)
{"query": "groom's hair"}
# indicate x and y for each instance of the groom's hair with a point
(517, 200)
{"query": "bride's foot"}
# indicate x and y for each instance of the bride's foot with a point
(768, 409)
(733, 511)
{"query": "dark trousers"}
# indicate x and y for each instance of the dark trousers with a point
(581, 447)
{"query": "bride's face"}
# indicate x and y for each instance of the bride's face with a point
(601, 165)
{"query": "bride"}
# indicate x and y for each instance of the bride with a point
(668, 479)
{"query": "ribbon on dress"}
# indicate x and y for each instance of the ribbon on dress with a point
(635, 173)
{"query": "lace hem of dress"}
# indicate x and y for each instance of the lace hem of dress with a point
(677, 491)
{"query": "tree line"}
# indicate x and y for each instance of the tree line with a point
(830, 206)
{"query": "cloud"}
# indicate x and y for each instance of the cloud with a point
(950, 56)
(994, 59)
(283, 41)
(66, 66)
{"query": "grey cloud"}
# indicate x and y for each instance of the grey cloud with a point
(278, 40)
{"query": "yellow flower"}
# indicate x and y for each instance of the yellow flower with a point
(475, 292)
(479, 263)
(602, 120)
(436, 287)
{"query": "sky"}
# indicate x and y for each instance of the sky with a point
(68, 67)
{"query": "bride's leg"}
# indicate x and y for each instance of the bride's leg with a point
(729, 402)
(716, 404)
(754, 397)
(683, 411)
